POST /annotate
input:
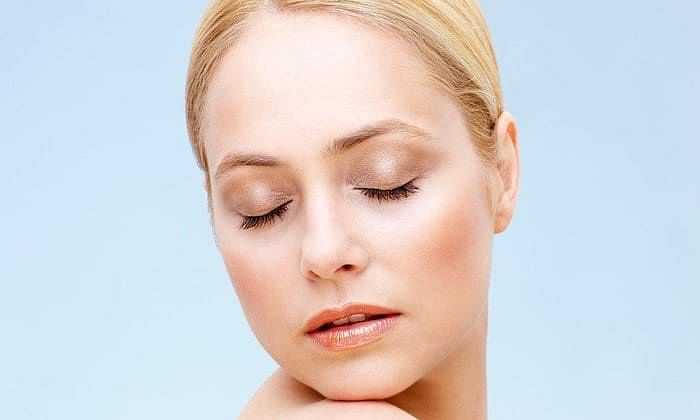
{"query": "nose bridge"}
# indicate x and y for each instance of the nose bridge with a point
(327, 250)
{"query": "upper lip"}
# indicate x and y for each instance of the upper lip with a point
(331, 314)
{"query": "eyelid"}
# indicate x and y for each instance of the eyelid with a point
(391, 165)
(247, 201)
(254, 222)
(379, 195)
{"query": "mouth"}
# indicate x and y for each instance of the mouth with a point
(349, 314)
(339, 324)
(350, 326)
(353, 334)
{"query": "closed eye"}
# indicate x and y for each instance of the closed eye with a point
(398, 193)
(251, 222)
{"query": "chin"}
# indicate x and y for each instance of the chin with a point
(354, 381)
(358, 391)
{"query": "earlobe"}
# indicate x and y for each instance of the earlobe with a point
(508, 170)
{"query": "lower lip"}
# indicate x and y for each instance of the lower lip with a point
(353, 335)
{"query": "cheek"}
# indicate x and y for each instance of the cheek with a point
(448, 229)
(266, 295)
(259, 290)
(247, 281)
(244, 263)
(446, 253)
(460, 236)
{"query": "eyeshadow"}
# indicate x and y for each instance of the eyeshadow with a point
(388, 165)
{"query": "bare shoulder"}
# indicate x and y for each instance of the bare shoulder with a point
(281, 396)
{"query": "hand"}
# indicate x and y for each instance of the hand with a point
(350, 410)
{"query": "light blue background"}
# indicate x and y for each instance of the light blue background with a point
(114, 303)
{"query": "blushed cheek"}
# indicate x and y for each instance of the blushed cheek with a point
(243, 276)
(466, 235)
(242, 264)
(458, 230)
(450, 253)
(250, 283)
(262, 290)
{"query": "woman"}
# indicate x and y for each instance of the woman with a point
(357, 160)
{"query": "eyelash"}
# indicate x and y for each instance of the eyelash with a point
(399, 193)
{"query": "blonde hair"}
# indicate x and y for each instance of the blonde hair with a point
(451, 36)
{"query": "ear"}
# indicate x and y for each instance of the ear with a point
(508, 170)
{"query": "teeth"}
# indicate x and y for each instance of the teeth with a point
(341, 321)
(357, 317)
(351, 318)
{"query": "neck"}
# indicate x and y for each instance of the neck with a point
(454, 389)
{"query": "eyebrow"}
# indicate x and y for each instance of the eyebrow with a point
(336, 147)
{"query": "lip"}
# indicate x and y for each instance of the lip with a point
(352, 336)
(331, 314)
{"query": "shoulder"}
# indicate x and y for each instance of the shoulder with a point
(281, 396)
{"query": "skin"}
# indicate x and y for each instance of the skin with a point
(286, 88)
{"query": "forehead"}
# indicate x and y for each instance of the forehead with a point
(293, 81)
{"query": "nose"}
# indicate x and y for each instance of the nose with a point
(329, 250)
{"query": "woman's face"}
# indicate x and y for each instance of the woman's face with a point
(287, 89)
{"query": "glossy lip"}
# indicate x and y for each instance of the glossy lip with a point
(351, 336)
(331, 314)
